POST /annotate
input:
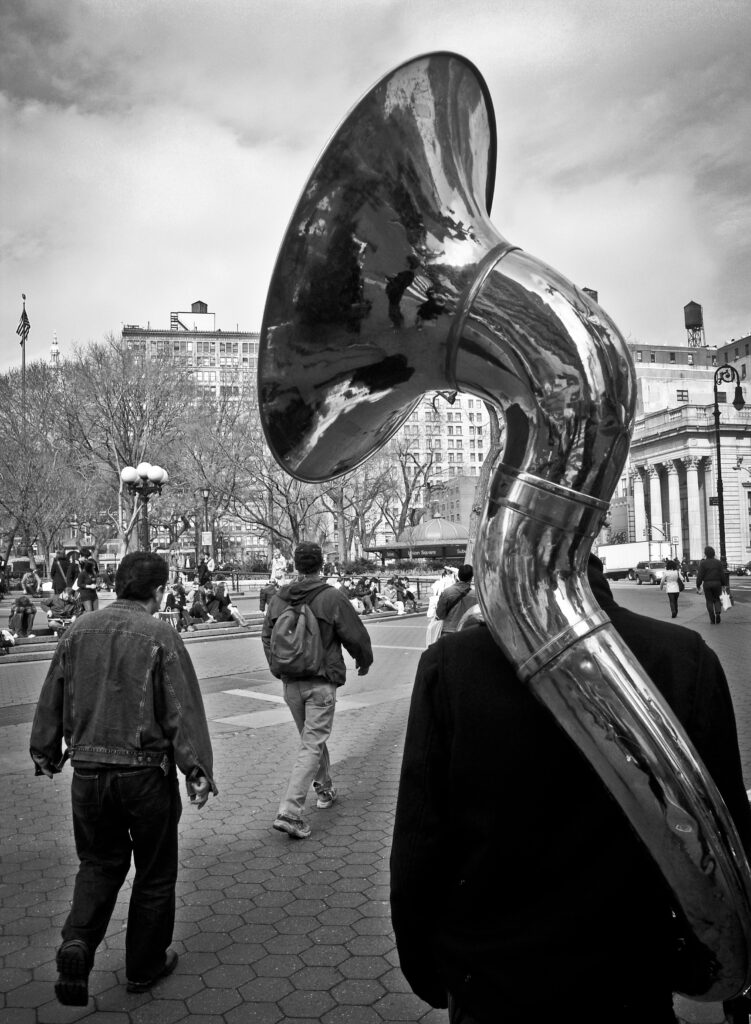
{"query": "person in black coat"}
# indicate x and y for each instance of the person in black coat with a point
(59, 572)
(713, 576)
(517, 884)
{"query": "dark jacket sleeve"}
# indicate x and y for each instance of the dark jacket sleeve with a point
(350, 631)
(419, 871)
(46, 745)
(182, 717)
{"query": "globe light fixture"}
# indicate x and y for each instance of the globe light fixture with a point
(143, 481)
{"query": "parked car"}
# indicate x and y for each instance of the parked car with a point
(649, 572)
(743, 570)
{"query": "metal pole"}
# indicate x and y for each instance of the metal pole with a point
(720, 494)
(206, 519)
(145, 545)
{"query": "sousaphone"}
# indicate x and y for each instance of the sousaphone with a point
(392, 282)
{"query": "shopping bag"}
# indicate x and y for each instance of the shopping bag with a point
(726, 601)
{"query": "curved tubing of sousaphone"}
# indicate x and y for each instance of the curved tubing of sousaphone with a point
(391, 282)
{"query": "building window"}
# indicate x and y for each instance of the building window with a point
(638, 355)
(691, 359)
(652, 357)
(743, 371)
(672, 357)
(682, 396)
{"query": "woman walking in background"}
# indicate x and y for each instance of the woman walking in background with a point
(672, 584)
(87, 585)
(713, 576)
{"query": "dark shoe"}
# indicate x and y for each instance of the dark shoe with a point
(717, 620)
(73, 964)
(294, 827)
(170, 963)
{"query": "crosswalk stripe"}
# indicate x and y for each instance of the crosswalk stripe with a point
(261, 719)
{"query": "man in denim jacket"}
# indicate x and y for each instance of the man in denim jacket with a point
(123, 694)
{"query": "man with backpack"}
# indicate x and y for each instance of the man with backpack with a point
(306, 626)
(456, 600)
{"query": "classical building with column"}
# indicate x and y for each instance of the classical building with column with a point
(669, 488)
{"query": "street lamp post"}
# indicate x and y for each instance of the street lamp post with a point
(206, 492)
(724, 374)
(144, 480)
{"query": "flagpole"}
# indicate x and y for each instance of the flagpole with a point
(23, 331)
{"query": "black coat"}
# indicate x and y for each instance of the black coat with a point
(515, 875)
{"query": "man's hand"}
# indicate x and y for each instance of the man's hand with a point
(362, 670)
(199, 790)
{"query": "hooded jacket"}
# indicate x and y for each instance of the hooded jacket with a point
(339, 623)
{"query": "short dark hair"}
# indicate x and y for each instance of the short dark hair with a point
(139, 574)
(465, 573)
(308, 557)
(709, 551)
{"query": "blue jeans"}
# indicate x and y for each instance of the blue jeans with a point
(116, 812)
(312, 703)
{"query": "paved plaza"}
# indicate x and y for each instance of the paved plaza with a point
(268, 929)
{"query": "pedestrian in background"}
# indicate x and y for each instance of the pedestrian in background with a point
(71, 573)
(504, 907)
(456, 600)
(86, 581)
(21, 616)
(672, 583)
(435, 625)
(268, 591)
(390, 597)
(220, 606)
(122, 692)
(713, 576)
(203, 573)
(197, 605)
(312, 699)
(31, 583)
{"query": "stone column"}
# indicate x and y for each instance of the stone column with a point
(655, 502)
(695, 544)
(640, 512)
(674, 499)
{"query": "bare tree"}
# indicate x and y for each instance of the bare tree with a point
(118, 409)
(495, 446)
(40, 487)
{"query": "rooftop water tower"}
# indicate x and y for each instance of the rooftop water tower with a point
(693, 318)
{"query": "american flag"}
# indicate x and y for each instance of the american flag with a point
(23, 326)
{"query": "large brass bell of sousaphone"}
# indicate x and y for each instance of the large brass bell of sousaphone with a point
(391, 282)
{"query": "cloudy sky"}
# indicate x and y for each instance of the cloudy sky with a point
(152, 151)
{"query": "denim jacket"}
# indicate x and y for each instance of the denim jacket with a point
(122, 690)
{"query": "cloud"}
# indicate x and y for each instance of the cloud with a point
(153, 150)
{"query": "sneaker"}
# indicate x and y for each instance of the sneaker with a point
(294, 827)
(73, 966)
(170, 963)
(326, 798)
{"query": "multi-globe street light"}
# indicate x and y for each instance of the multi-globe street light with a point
(724, 374)
(144, 480)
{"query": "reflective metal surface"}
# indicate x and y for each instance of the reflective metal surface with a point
(391, 282)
